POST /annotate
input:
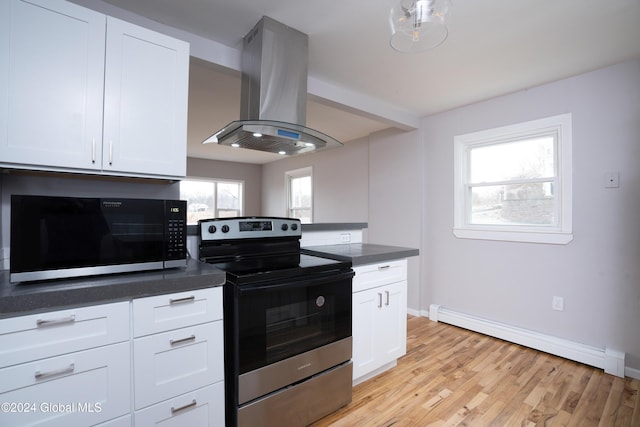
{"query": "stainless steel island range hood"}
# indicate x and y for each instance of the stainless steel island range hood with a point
(273, 94)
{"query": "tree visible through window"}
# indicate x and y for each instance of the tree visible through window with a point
(211, 199)
(514, 183)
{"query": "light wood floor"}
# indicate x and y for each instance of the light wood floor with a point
(454, 377)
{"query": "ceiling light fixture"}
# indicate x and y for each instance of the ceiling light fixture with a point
(418, 25)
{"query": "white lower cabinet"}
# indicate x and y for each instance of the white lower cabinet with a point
(178, 359)
(76, 389)
(176, 362)
(83, 367)
(203, 407)
(379, 317)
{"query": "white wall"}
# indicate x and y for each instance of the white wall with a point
(340, 183)
(598, 273)
(396, 198)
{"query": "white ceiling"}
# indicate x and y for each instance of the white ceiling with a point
(494, 47)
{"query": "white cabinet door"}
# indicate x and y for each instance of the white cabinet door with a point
(379, 327)
(73, 390)
(51, 84)
(391, 326)
(175, 362)
(200, 408)
(365, 312)
(146, 90)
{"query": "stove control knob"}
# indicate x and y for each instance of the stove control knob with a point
(212, 229)
(225, 228)
(294, 226)
(284, 227)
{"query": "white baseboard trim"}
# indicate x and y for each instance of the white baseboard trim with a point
(417, 313)
(632, 373)
(612, 361)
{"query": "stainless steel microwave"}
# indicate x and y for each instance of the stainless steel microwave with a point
(61, 237)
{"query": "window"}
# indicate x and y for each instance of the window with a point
(299, 186)
(211, 199)
(514, 183)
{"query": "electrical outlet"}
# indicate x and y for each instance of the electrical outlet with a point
(345, 237)
(557, 303)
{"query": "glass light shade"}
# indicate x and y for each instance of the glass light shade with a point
(418, 25)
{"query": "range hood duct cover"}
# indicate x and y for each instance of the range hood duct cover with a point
(273, 94)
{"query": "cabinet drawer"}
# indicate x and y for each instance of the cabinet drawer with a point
(200, 408)
(27, 338)
(172, 363)
(373, 275)
(76, 389)
(166, 312)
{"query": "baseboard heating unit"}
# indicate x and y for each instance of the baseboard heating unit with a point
(611, 361)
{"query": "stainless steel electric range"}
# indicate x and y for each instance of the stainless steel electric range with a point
(287, 321)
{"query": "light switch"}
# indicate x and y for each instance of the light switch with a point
(612, 180)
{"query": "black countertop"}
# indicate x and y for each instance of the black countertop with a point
(20, 299)
(360, 253)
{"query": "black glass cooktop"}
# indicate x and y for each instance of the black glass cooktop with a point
(277, 267)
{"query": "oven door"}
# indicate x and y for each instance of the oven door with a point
(279, 320)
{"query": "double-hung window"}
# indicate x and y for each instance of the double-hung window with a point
(514, 183)
(299, 185)
(211, 199)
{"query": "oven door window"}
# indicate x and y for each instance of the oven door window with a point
(280, 321)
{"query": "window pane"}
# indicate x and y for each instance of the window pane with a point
(199, 197)
(211, 199)
(516, 204)
(526, 159)
(301, 192)
(304, 215)
(228, 195)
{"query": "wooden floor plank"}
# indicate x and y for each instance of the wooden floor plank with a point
(454, 377)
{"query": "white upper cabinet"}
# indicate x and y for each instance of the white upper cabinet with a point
(51, 84)
(83, 92)
(145, 101)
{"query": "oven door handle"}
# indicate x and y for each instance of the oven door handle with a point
(300, 282)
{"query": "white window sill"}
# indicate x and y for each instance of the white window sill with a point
(558, 238)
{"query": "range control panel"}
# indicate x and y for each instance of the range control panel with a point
(248, 228)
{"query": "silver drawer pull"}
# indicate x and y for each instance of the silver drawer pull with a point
(69, 369)
(384, 267)
(182, 300)
(182, 340)
(51, 322)
(182, 408)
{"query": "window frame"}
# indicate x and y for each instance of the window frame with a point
(559, 233)
(214, 195)
(289, 177)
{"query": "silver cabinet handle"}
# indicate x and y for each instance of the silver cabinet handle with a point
(182, 408)
(69, 369)
(182, 300)
(110, 152)
(41, 323)
(93, 151)
(379, 299)
(182, 340)
(384, 267)
(387, 292)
